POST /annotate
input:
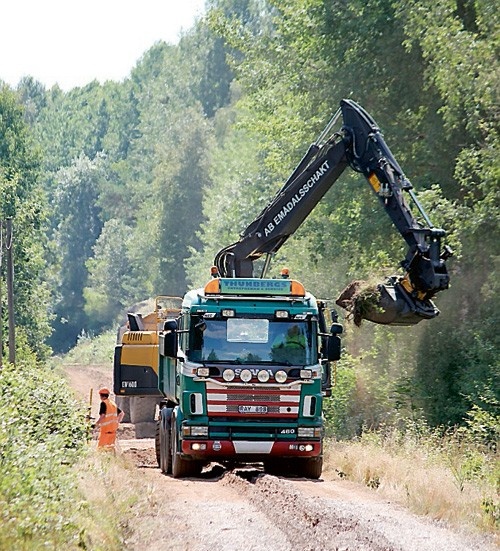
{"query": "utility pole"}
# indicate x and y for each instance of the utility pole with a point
(10, 292)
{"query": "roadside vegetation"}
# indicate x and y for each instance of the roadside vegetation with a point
(90, 350)
(450, 476)
(55, 491)
(447, 473)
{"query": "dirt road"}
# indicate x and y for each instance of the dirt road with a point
(245, 509)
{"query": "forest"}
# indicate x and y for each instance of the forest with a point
(126, 190)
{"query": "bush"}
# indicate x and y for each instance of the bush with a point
(42, 434)
(340, 420)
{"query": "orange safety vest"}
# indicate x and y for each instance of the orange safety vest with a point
(110, 423)
(109, 426)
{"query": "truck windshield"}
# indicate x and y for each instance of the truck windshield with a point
(252, 340)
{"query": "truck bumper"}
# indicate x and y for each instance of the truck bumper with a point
(249, 450)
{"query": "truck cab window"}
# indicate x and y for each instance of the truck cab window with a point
(252, 340)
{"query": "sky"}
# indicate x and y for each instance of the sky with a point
(73, 42)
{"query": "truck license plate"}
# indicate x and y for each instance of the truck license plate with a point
(252, 409)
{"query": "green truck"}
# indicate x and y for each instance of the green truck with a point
(242, 372)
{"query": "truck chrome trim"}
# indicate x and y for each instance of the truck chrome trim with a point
(256, 386)
(214, 396)
(247, 446)
(284, 298)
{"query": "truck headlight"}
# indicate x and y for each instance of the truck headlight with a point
(228, 375)
(263, 376)
(309, 432)
(282, 314)
(195, 431)
(203, 372)
(305, 374)
(246, 375)
(280, 376)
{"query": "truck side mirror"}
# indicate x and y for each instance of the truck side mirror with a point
(334, 348)
(334, 343)
(336, 329)
(170, 339)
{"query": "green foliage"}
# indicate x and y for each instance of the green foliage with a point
(78, 227)
(22, 200)
(458, 362)
(483, 426)
(234, 198)
(340, 420)
(90, 350)
(181, 176)
(110, 282)
(42, 431)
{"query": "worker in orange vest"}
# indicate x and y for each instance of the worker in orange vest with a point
(110, 416)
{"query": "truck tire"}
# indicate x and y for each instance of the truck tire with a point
(310, 467)
(181, 467)
(157, 443)
(165, 455)
(143, 408)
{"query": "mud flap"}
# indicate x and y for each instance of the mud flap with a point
(387, 304)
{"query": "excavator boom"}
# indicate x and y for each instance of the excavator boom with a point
(358, 143)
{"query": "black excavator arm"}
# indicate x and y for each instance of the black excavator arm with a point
(359, 144)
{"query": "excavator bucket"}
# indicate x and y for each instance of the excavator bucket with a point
(386, 303)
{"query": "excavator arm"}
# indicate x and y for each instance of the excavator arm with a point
(358, 143)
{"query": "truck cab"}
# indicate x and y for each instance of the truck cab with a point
(241, 370)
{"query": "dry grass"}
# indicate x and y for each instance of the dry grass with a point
(112, 494)
(438, 481)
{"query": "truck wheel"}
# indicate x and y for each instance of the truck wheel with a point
(157, 442)
(182, 467)
(310, 467)
(165, 460)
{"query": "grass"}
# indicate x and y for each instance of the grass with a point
(111, 491)
(448, 478)
(55, 491)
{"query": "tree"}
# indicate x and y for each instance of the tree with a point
(111, 286)
(22, 200)
(181, 178)
(458, 364)
(427, 73)
(78, 227)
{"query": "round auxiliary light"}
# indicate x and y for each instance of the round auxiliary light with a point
(280, 376)
(228, 375)
(263, 376)
(245, 375)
